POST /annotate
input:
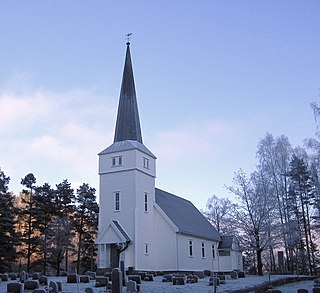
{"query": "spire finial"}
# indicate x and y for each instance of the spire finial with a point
(128, 37)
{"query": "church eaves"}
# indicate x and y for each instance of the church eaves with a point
(128, 123)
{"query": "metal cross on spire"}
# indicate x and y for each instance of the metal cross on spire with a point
(128, 37)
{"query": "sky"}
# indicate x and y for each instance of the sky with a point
(212, 78)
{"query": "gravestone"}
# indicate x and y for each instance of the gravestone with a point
(316, 290)
(132, 286)
(178, 280)
(89, 290)
(123, 273)
(31, 284)
(53, 287)
(273, 291)
(43, 280)
(192, 279)
(23, 276)
(116, 280)
(102, 281)
(302, 291)
(4, 277)
(14, 288)
(167, 278)
(73, 278)
(35, 276)
(234, 275)
(84, 279)
(135, 278)
(214, 281)
(13, 276)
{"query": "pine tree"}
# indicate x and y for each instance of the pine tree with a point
(8, 235)
(86, 225)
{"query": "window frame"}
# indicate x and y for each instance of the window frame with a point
(116, 206)
(203, 250)
(190, 247)
(145, 202)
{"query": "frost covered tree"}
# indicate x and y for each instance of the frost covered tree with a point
(219, 212)
(253, 213)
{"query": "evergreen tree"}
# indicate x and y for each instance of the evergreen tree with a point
(29, 236)
(8, 235)
(44, 213)
(86, 226)
(64, 199)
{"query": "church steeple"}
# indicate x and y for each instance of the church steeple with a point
(128, 123)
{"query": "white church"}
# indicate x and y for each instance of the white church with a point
(146, 227)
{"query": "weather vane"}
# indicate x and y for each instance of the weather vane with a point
(128, 37)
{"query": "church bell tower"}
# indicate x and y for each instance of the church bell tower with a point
(127, 171)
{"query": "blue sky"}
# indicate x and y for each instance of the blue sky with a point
(212, 77)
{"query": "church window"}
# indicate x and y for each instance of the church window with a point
(213, 251)
(146, 251)
(146, 163)
(116, 161)
(190, 248)
(146, 202)
(117, 201)
(203, 250)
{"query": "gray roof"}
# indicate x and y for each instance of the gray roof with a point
(185, 216)
(123, 233)
(126, 146)
(128, 123)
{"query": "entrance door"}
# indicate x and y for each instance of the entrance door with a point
(114, 256)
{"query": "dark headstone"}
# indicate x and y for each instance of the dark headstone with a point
(35, 276)
(148, 277)
(84, 279)
(273, 291)
(116, 281)
(102, 281)
(167, 278)
(316, 290)
(14, 288)
(241, 275)
(43, 280)
(136, 278)
(89, 290)
(302, 291)
(31, 284)
(73, 278)
(192, 279)
(178, 280)
(53, 287)
(13, 276)
(207, 273)
(234, 275)
(214, 281)
(4, 277)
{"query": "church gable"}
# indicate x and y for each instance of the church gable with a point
(113, 233)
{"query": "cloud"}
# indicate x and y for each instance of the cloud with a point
(207, 138)
(54, 135)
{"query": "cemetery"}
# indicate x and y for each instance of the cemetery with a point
(152, 282)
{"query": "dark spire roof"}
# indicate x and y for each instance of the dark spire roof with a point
(128, 123)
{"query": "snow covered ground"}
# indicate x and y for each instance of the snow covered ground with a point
(157, 286)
